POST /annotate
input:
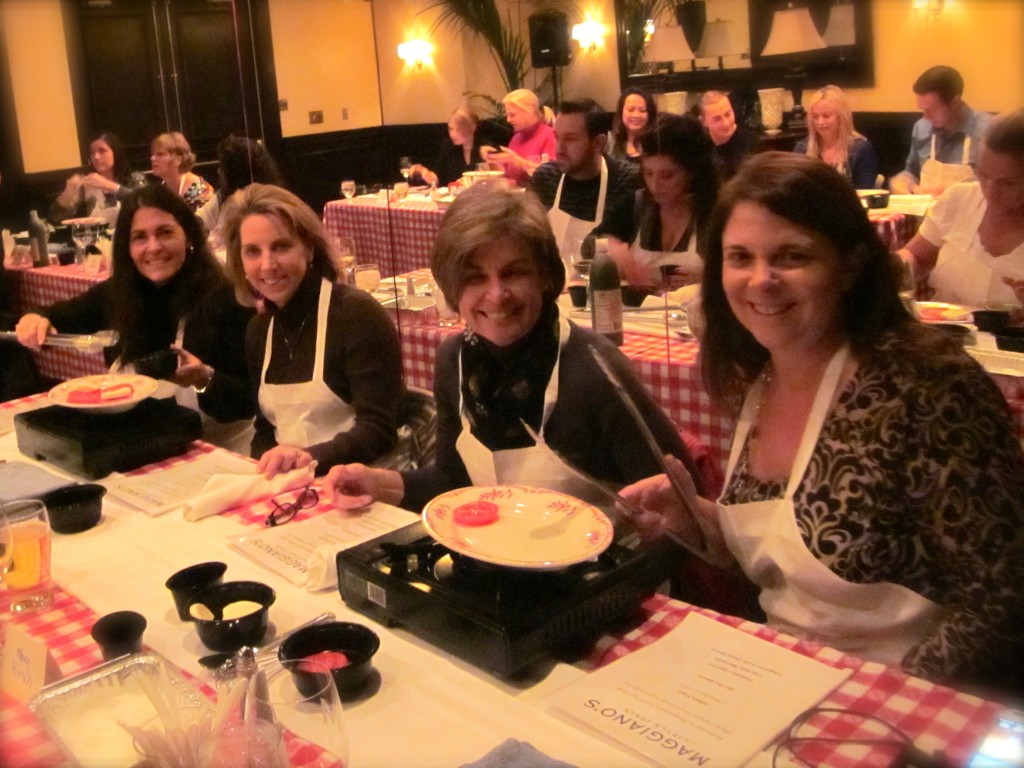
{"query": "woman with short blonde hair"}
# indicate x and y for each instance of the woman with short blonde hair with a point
(533, 140)
(459, 151)
(171, 159)
(831, 137)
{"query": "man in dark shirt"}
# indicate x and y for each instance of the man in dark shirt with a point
(732, 142)
(582, 183)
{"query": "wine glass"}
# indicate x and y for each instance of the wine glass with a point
(404, 167)
(299, 697)
(348, 188)
(366, 277)
(84, 236)
(346, 248)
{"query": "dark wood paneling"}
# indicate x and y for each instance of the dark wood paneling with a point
(889, 132)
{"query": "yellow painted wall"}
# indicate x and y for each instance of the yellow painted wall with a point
(417, 94)
(34, 32)
(325, 61)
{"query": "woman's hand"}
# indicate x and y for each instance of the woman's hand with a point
(427, 175)
(663, 512)
(95, 181)
(350, 486)
(66, 199)
(32, 330)
(283, 458)
(191, 372)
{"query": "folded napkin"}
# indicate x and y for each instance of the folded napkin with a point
(322, 568)
(513, 753)
(227, 491)
(20, 480)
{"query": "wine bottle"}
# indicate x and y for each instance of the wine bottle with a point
(605, 294)
(38, 237)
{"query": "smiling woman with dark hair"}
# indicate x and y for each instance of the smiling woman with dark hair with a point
(166, 289)
(875, 482)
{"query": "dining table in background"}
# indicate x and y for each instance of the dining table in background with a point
(397, 235)
(464, 711)
(36, 287)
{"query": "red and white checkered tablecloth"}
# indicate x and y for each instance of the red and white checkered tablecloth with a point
(397, 236)
(40, 287)
(933, 716)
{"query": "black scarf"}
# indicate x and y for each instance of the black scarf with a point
(501, 385)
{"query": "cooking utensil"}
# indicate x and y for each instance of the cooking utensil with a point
(702, 549)
(266, 652)
(88, 342)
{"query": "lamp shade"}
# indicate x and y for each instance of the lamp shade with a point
(718, 39)
(668, 44)
(792, 31)
(840, 29)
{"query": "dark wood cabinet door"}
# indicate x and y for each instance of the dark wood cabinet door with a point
(143, 67)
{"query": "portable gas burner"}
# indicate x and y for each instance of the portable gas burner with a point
(498, 618)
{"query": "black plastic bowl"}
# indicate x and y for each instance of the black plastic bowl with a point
(75, 508)
(228, 635)
(189, 581)
(634, 295)
(157, 365)
(357, 642)
(991, 320)
(1011, 339)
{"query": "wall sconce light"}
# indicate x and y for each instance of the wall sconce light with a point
(416, 53)
(589, 34)
(925, 9)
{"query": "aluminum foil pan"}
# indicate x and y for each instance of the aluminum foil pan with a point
(84, 713)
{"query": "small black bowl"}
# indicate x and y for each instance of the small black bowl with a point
(1011, 339)
(634, 295)
(228, 635)
(356, 641)
(119, 633)
(157, 365)
(991, 320)
(75, 508)
(189, 581)
(578, 295)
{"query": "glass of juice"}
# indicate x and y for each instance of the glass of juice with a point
(26, 582)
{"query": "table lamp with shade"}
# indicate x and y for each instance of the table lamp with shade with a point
(841, 29)
(793, 32)
(668, 44)
(718, 41)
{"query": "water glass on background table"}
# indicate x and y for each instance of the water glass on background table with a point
(345, 247)
(26, 580)
(84, 236)
(446, 316)
(348, 188)
(405, 167)
(366, 277)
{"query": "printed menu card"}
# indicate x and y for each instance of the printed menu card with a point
(705, 694)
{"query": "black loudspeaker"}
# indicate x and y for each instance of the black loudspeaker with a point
(549, 39)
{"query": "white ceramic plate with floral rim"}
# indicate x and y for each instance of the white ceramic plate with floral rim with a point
(109, 392)
(518, 527)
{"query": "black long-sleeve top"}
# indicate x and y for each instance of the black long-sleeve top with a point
(589, 425)
(362, 366)
(218, 340)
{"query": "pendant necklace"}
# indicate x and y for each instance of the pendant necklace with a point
(287, 343)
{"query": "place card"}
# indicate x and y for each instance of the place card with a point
(697, 696)
(27, 663)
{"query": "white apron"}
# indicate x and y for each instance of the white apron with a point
(233, 435)
(800, 595)
(942, 175)
(570, 231)
(309, 412)
(533, 466)
(689, 266)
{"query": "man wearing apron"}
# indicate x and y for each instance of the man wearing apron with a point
(578, 188)
(944, 143)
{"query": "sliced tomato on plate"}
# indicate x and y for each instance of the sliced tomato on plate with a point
(476, 513)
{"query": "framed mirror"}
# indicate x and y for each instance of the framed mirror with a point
(696, 45)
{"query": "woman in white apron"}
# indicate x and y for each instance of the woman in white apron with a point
(970, 248)
(166, 290)
(518, 361)
(874, 485)
(325, 357)
(654, 236)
